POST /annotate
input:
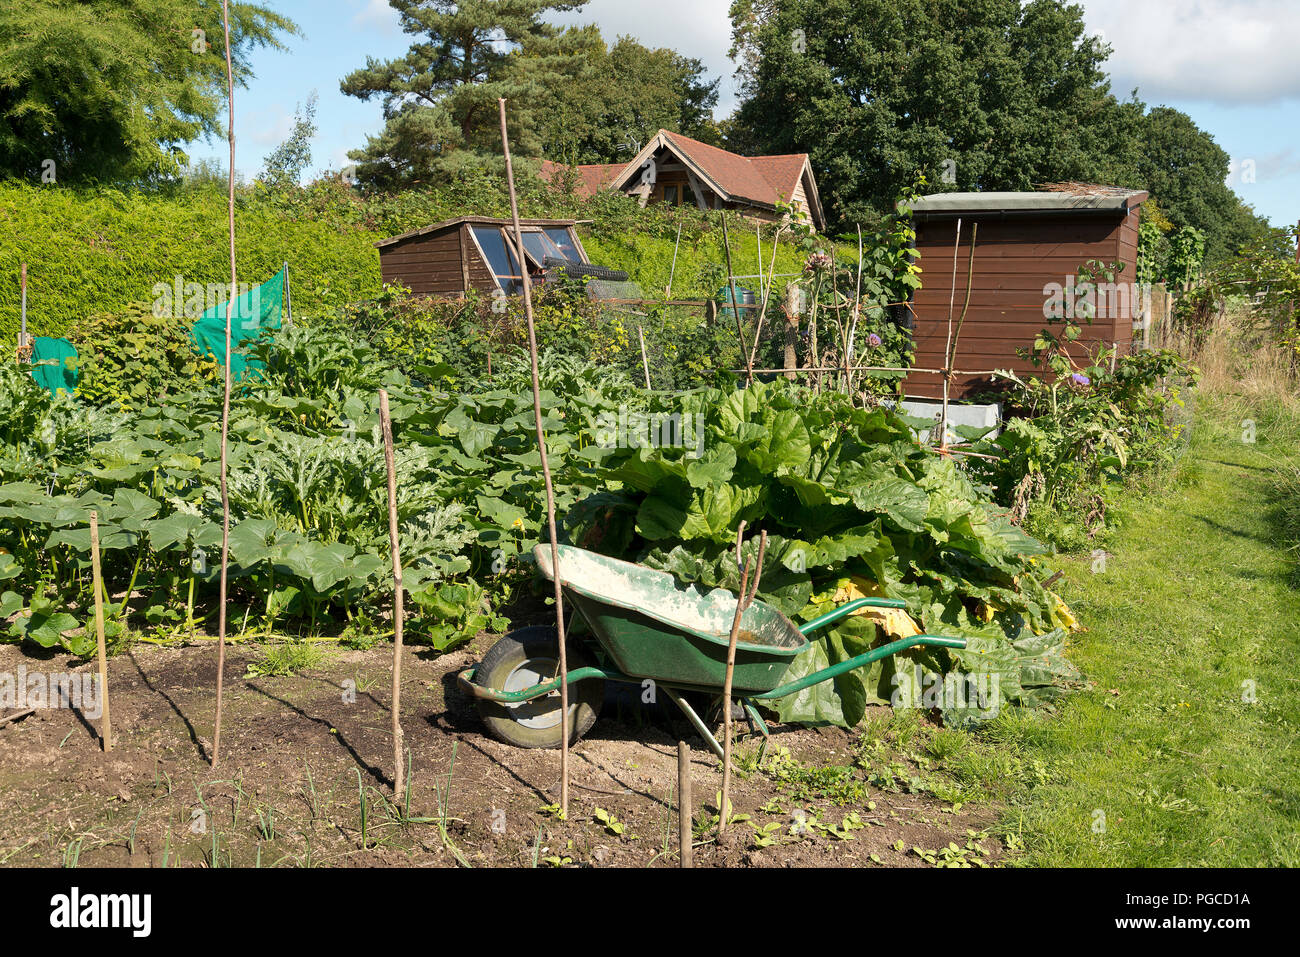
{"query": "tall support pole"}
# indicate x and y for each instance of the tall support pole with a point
(546, 467)
(225, 404)
(106, 723)
(685, 806)
(22, 335)
(288, 293)
(390, 460)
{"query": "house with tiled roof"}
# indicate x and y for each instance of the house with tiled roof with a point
(678, 170)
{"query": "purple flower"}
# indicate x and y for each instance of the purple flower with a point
(874, 341)
(1081, 379)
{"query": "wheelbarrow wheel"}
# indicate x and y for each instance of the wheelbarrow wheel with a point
(525, 658)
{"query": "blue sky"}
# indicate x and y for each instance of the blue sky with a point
(1231, 65)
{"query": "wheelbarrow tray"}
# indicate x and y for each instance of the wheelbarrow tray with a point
(654, 627)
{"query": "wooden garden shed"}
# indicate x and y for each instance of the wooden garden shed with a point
(475, 252)
(1028, 254)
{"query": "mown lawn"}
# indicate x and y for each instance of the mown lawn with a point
(1184, 751)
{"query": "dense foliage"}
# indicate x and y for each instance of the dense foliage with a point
(98, 250)
(851, 505)
(113, 90)
(440, 99)
(615, 98)
(849, 498)
(974, 95)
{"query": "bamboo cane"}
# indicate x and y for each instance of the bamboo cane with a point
(106, 723)
(645, 363)
(767, 298)
(546, 469)
(731, 294)
(685, 806)
(950, 357)
(390, 459)
(672, 273)
(747, 593)
(947, 368)
(225, 404)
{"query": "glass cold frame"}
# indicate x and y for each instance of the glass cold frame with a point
(500, 258)
(563, 241)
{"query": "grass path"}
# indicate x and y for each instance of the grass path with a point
(1185, 751)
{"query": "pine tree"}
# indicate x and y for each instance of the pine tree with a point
(440, 99)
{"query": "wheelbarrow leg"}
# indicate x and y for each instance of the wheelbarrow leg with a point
(695, 721)
(756, 721)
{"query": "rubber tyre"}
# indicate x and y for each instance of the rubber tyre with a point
(514, 663)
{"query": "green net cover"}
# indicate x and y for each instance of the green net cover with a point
(254, 311)
(50, 366)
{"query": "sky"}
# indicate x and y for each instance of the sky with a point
(1232, 65)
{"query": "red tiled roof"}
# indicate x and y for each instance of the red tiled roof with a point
(760, 179)
(591, 179)
(763, 180)
(783, 172)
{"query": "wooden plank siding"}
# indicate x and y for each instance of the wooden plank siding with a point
(1016, 258)
(437, 264)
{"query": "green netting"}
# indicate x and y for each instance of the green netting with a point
(254, 311)
(50, 366)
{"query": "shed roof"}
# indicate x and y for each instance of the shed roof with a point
(475, 220)
(1064, 198)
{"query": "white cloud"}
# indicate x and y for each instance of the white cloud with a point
(377, 15)
(695, 28)
(1228, 52)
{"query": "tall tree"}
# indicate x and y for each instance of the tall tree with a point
(617, 98)
(112, 90)
(986, 91)
(1185, 168)
(975, 94)
(440, 98)
(285, 164)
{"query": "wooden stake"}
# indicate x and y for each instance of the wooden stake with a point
(399, 616)
(546, 469)
(685, 806)
(225, 404)
(106, 724)
(22, 334)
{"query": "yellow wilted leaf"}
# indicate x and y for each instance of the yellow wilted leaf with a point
(895, 622)
(1062, 616)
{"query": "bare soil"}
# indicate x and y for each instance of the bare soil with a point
(298, 753)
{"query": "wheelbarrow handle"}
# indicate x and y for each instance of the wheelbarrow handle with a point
(884, 651)
(845, 610)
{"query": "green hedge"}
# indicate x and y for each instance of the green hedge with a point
(93, 251)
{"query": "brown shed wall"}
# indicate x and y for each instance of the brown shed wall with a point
(436, 264)
(1015, 258)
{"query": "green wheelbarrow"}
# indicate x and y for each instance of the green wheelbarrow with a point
(653, 631)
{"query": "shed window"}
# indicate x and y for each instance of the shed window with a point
(564, 241)
(501, 259)
(538, 246)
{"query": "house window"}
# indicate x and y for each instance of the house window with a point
(672, 195)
